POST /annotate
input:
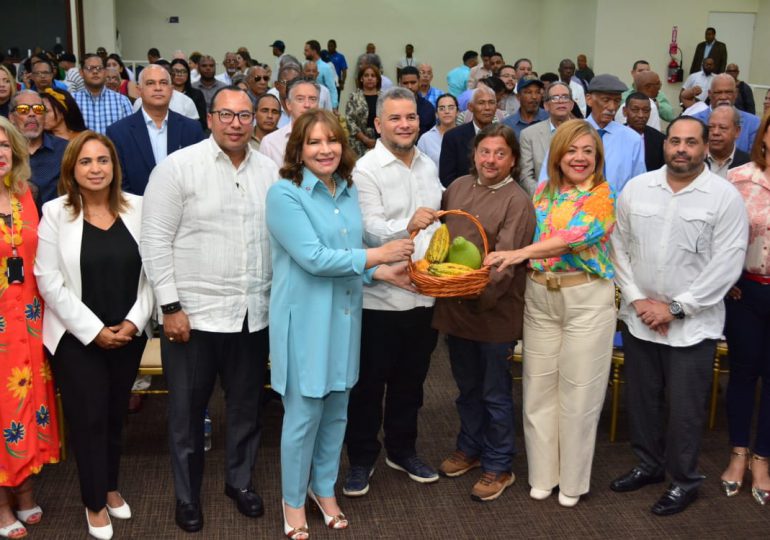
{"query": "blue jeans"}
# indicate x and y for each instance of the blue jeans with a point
(482, 372)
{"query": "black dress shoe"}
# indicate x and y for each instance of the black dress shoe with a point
(635, 479)
(189, 516)
(673, 501)
(248, 502)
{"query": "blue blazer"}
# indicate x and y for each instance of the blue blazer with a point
(455, 160)
(135, 152)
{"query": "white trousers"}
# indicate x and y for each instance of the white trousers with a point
(567, 354)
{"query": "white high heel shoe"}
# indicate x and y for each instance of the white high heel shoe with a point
(101, 533)
(120, 512)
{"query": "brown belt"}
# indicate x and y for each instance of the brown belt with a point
(557, 280)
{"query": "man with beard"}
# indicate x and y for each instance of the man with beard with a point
(100, 106)
(685, 223)
(723, 92)
(399, 192)
(530, 92)
(45, 150)
(637, 113)
(208, 83)
(697, 85)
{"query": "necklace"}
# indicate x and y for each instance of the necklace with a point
(333, 189)
(13, 235)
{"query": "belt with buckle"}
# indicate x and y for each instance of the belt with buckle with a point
(555, 281)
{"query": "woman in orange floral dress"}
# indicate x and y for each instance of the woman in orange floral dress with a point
(27, 420)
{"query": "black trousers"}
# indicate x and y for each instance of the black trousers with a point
(95, 384)
(668, 438)
(395, 353)
(240, 360)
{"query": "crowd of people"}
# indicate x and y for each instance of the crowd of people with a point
(249, 215)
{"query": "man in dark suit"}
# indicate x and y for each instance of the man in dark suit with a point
(724, 128)
(637, 110)
(146, 137)
(711, 48)
(457, 142)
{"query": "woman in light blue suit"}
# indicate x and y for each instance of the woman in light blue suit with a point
(319, 269)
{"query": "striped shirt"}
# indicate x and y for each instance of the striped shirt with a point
(101, 111)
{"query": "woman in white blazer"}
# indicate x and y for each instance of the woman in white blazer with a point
(99, 304)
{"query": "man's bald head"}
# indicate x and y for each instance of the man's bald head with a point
(648, 83)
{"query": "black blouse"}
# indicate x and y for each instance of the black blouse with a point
(110, 266)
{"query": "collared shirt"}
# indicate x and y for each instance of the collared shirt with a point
(326, 78)
(389, 193)
(578, 95)
(430, 144)
(273, 144)
(285, 118)
(623, 153)
(699, 78)
(687, 246)
(457, 80)
(102, 110)
(754, 187)
(179, 103)
(584, 220)
(158, 136)
(749, 128)
(431, 95)
(661, 102)
(516, 123)
(204, 239)
(46, 166)
(653, 121)
(720, 168)
(208, 91)
(225, 78)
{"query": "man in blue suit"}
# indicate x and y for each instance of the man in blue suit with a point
(146, 137)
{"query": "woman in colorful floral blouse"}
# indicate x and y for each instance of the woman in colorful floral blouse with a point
(30, 435)
(748, 331)
(569, 314)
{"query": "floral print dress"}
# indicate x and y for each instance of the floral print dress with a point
(30, 436)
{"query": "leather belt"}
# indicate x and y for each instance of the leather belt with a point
(558, 280)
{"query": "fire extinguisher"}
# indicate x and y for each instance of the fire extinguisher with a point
(675, 72)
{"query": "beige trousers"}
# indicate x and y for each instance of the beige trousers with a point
(567, 354)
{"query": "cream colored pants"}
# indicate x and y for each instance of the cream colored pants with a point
(567, 353)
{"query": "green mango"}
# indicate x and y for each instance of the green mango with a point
(463, 252)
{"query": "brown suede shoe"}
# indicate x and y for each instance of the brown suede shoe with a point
(457, 464)
(491, 485)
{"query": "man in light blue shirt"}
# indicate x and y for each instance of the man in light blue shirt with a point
(325, 73)
(623, 148)
(723, 91)
(457, 79)
(530, 92)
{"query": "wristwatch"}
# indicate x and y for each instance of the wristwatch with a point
(173, 307)
(675, 308)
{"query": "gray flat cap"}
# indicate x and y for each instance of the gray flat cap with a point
(607, 83)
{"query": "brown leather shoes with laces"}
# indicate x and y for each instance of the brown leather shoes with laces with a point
(491, 485)
(457, 464)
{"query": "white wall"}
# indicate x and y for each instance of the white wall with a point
(99, 22)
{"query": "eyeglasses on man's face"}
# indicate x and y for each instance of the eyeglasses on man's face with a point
(227, 116)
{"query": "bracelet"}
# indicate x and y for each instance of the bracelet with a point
(173, 307)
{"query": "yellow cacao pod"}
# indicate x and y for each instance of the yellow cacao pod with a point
(438, 249)
(448, 269)
(422, 266)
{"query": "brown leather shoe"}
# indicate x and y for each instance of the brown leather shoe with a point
(457, 464)
(491, 485)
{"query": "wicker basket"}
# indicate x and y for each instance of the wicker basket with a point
(470, 284)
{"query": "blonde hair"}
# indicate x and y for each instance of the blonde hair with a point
(10, 78)
(566, 135)
(20, 171)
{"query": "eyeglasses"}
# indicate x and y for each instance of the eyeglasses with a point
(563, 98)
(94, 69)
(263, 78)
(447, 107)
(179, 72)
(227, 116)
(42, 73)
(38, 109)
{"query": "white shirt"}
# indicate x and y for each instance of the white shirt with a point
(695, 108)
(721, 169)
(195, 76)
(324, 98)
(158, 136)
(180, 104)
(273, 144)
(285, 118)
(225, 78)
(204, 237)
(699, 79)
(389, 193)
(687, 246)
(430, 143)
